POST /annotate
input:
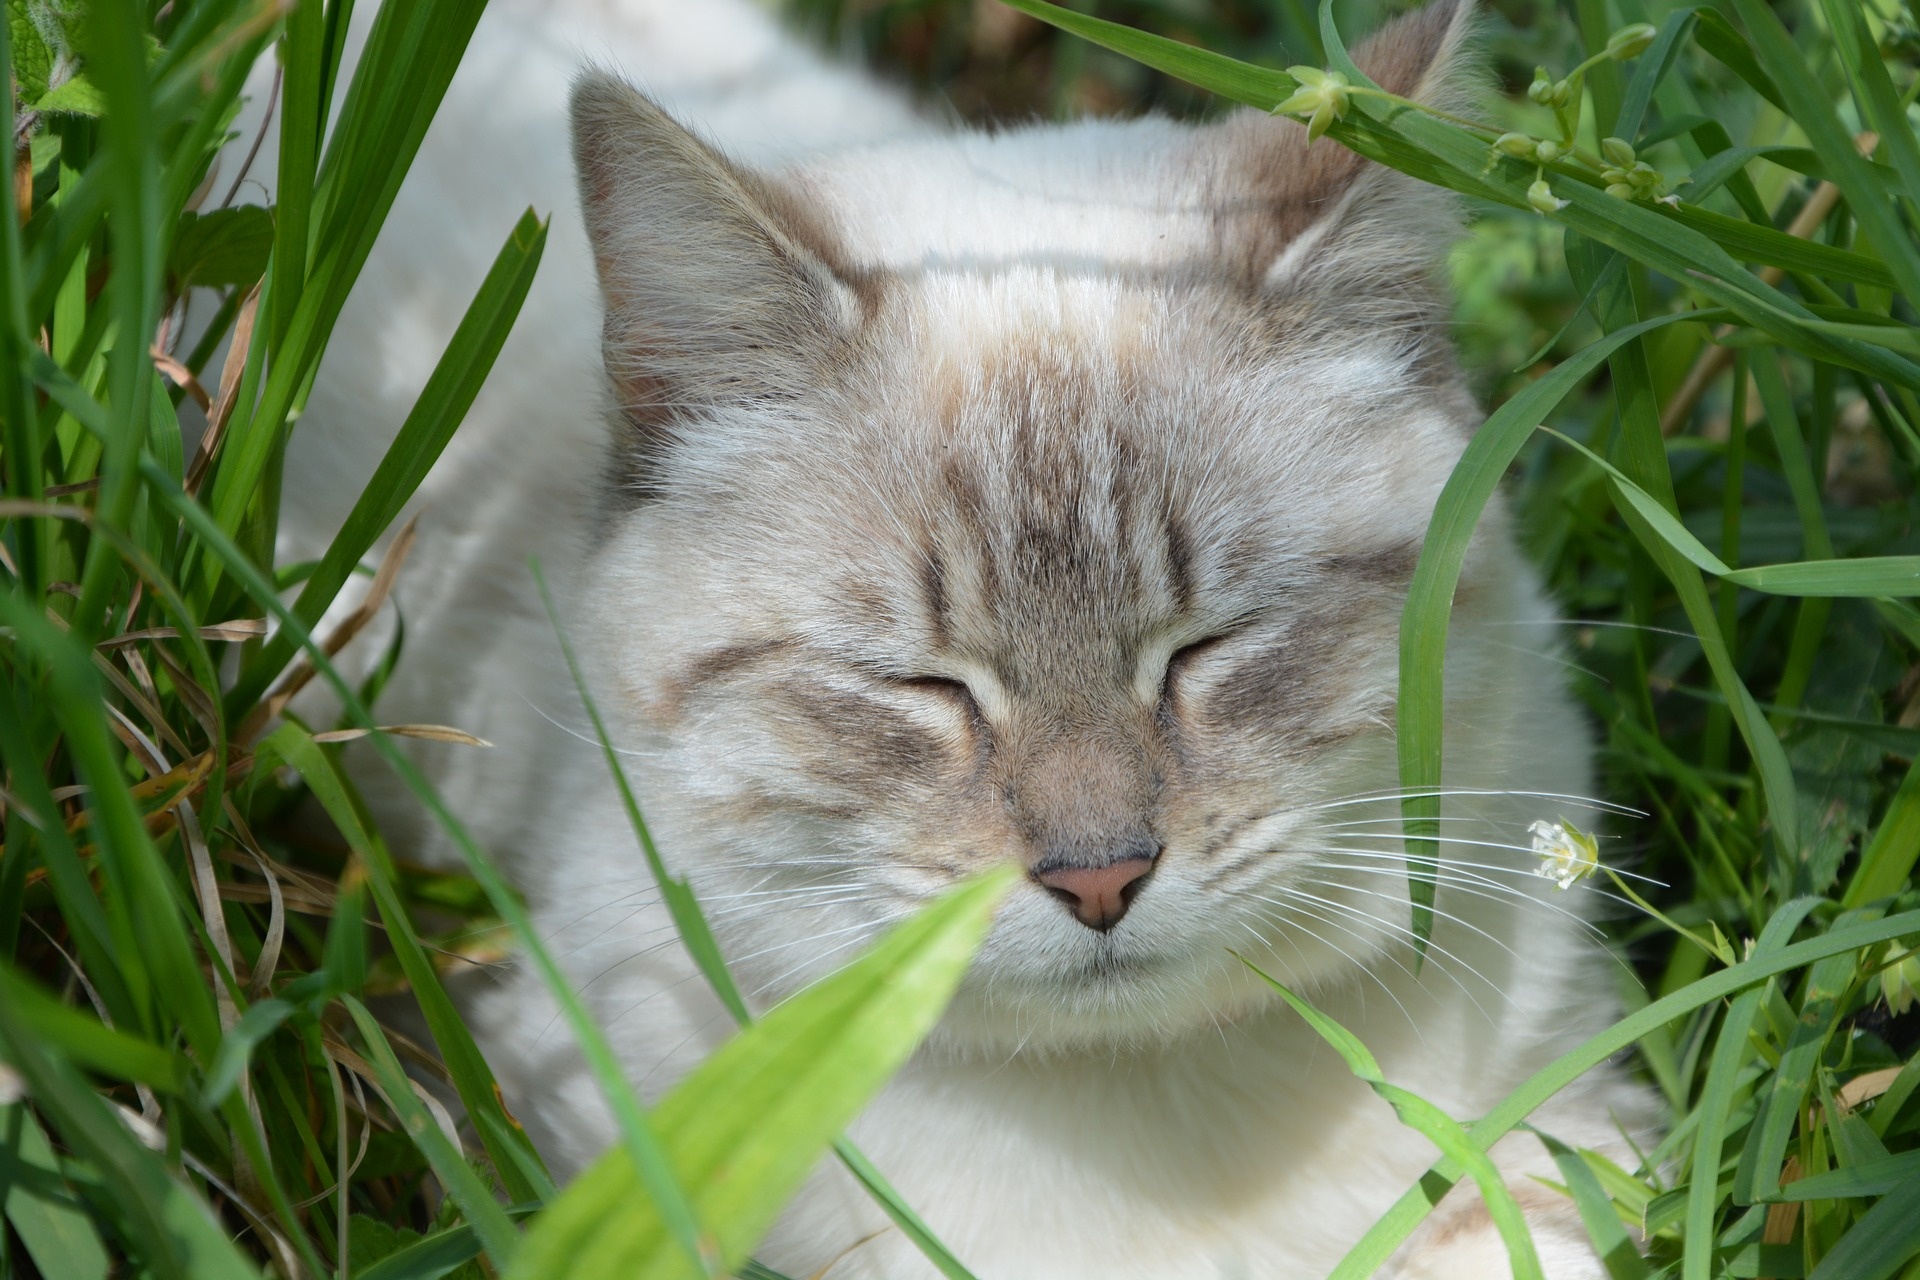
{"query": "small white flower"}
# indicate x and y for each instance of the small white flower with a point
(1567, 854)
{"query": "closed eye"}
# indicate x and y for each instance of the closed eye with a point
(1182, 661)
(938, 686)
(1188, 654)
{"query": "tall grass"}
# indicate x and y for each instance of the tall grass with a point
(193, 1082)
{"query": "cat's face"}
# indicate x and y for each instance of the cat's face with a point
(1089, 557)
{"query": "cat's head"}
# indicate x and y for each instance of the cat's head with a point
(1047, 497)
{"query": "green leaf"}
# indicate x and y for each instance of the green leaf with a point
(32, 59)
(746, 1127)
(1243, 82)
(1870, 576)
(1873, 90)
(52, 1226)
(85, 1040)
(237, 1046)
(76, 95)
(227, 248)
(425, 1258)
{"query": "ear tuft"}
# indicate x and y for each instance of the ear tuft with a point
(710, 299)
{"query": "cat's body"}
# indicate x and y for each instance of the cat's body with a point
(1046, 495)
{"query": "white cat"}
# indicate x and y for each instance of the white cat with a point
(1046, 495)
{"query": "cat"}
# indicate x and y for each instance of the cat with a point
(953, 497)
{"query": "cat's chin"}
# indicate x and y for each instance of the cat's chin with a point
(1113, 1001)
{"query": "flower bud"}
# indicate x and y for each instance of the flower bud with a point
(1546, 152)
(1631, 42)
(1322, 97)
(1644, 175)
(1517, 145)
(1620, 191)
(1617, 152)
(1541, 197)
(1541, 90)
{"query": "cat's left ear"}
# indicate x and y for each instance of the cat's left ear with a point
(1315, 218)
(711, 297)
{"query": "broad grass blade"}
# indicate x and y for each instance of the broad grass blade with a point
(748, 1124)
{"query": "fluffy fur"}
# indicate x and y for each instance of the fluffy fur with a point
(952, 498)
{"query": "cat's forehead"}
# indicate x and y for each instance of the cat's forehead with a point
(1049, 463)
(1111, 192)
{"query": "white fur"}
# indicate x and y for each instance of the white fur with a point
(1188, 1127)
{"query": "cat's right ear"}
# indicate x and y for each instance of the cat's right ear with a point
(709, 300)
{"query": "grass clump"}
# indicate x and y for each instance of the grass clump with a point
(1695, 259)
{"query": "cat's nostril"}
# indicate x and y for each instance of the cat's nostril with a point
(1098, 896)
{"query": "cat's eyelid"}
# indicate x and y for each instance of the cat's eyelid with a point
(1158, 659)
(971, 681)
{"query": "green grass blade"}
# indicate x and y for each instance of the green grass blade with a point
(1651, 69)
(472, 1078)
(19, 418)
(1886, 1238)
(1712, 1110)
(1424, 621)
(143, 906)
(1887, 861)
(748, 1124)
(300, 121)
(635, 1128)
(430, 424)
(116, 62)
(690, 923)
(401, 78)
(179, 1240)
(1800, 89)
(1870, 576)
(1432, 1123)
(1611, 1243)
(1240, 81)
(1875, 1178)
(438, 1255)
(1758, 1177)
(90, 1043)
(55, 1232)
(1393, 1227)
(1874, 92)
(488, 1220)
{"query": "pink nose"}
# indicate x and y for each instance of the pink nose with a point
(1098, 896)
